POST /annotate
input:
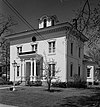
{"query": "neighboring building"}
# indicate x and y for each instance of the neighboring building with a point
(92, 70)
(62, 44)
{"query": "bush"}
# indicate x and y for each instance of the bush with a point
(96, 83)
(59, 84)
(34, 83)
(80, 84)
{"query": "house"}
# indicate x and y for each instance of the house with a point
(92, 70)
(62, 44)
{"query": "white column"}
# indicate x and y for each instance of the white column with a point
(31, 76)
(23, 69)
(34, 69)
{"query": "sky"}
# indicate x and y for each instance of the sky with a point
(32, 10)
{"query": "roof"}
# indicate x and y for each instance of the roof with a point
(50, 29)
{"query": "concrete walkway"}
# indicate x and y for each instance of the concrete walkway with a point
(3, 105)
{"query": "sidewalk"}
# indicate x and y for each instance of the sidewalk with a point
(3, 105)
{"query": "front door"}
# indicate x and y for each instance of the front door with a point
(28, 70)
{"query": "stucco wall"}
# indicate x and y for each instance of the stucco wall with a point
(58, 56)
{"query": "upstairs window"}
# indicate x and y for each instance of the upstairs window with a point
(51, 69)
(19, 50)
(52, 22)
(45, 23)
(79, 52)
(52, 47)
(71, 48)
(34, 47)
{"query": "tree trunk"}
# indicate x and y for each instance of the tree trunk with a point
(49, 84)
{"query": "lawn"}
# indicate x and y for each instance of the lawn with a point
(58, 97)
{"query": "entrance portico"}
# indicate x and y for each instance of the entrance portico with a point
(31, 66)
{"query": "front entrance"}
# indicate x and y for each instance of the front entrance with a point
(28, 71)
(33, 70)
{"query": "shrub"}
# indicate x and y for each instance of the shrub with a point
(59, 84)
(96, 83)
(34, 83)
(80, 84)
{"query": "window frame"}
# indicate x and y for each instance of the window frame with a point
(71, 69)
(79, 52)
(34, 47)
(79, 70)
(71, 50)
(88, 72)
(51, 69)
(51, 46)
(19, 49)
(45, 23)
(18, 71)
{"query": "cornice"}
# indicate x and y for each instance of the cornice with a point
(42, 31)
(52, 29)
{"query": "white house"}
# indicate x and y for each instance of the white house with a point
(62, 44)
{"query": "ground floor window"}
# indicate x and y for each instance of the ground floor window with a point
(71, 69)
(78, 70)
(17, 70)
(51, 69)
(88, 71)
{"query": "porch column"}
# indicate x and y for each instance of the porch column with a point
(23, 73)
(21, 70)
(31, 76)
(34, 69)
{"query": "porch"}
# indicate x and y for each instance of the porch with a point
(31, 67)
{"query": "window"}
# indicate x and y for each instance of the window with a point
(34, 47)
(19, 50)
(52, 22)
(79, 52)
(45, 23)
(71, 69)
(52, 47)
(79, 70)
(71, 48)
(88, 72)
(51, 69)
(17, 70)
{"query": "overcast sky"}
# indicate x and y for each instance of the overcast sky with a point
(32, 10)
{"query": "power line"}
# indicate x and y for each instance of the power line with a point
(24, 20)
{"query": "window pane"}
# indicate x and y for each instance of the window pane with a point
(49, 69)
(17, 70)
(53, 70)
(79, 52)
(71, 48)
(88, 72)
(79, 70)
(71, 69)
(45, 23)
(20, 49)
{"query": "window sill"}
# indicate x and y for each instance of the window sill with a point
(89, 78)
(52, 53)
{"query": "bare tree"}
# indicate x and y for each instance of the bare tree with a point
(49, 75)
(88, 22)
(6, 23)
(94, 54)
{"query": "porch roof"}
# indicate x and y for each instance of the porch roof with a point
(29, 55)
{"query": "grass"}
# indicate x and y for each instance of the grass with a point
(57, 97)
